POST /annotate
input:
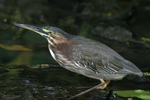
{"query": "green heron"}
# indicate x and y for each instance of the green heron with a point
(85, 56)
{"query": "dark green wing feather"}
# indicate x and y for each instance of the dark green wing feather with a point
(94, 59)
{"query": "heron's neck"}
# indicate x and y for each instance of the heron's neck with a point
(60, 45)
(55, 40)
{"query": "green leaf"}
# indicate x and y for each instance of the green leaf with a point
(134, 93)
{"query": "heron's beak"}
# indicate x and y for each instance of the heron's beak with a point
(32, 28)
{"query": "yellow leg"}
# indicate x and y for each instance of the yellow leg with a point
(105, 85)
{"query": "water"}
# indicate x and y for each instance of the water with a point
(52, 82)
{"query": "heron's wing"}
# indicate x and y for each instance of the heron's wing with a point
(93, 58)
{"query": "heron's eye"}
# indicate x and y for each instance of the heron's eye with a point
(50, 32)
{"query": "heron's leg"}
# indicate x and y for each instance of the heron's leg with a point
(105, 85)
(101, 84)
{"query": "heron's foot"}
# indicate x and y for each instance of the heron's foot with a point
(105, 85)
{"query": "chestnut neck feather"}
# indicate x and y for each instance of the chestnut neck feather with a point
(61, 45)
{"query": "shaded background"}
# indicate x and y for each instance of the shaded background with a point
(123, 25)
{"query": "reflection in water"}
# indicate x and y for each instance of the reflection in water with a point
(15, 47)
(22, 58)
